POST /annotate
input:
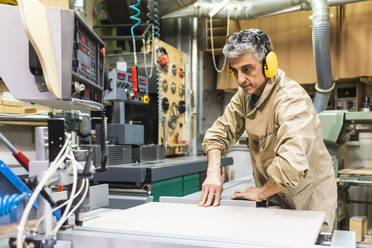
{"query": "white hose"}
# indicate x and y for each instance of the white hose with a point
(152, 54)
(53, 167)
(212, 42)
(58, 207)
(74, 184)
(61, 221)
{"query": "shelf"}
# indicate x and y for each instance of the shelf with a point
(359, 117)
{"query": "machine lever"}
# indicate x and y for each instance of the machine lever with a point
(135, 80)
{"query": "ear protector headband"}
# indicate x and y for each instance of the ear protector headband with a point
(270, 61)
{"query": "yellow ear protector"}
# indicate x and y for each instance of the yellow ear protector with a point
(270, 61)
(232, 74)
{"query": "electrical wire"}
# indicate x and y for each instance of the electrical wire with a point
(61, 221)
(149, 75)
(73, 190)
(36, 228)
(161, 117)
(53, 167)
(135, 18)
(151, 41)
(212, 42)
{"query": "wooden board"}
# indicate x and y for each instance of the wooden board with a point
(274, 226)
(11, 110)
(36, 26)
(64, 4)
(12, 103)
(360, 171)
(6, 230)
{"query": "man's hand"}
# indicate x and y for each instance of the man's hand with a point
(250, 193)
(258, 194)
(212, 186)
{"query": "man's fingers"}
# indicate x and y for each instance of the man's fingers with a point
(238, 191)
(217, 198)
(210, 198)
(237, 195)
(204, 195)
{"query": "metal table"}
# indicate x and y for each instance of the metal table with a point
(149, 172)
(122, 178)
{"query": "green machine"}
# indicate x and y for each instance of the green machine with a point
(339, 127)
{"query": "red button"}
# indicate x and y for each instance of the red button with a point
(103, 52)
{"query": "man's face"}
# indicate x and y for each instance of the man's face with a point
(248, 73)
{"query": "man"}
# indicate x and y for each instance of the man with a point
(291, 165)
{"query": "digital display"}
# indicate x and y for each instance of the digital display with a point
(121, 76)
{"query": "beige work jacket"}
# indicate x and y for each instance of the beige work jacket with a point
(286, 145)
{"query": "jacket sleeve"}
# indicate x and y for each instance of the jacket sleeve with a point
(229, 127)
(296, 119)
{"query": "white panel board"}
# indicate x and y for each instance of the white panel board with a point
(258, 225)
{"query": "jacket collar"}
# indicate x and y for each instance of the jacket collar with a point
(270, 85)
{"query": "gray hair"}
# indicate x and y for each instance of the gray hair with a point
(249, 40)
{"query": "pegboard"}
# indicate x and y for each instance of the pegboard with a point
(172, 99)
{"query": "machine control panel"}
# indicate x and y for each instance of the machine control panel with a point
(120, 88)
(80, 61)
(86, 55)
(88, 64)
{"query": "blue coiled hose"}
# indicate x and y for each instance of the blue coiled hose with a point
(157, 19)
(10, 202)
(138, 22)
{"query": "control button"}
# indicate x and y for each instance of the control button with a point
(130, 96)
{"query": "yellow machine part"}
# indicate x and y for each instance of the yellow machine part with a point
(11, 2)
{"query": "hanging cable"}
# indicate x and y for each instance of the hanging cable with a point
(227, 33)
(8, 203)
(161, 118)
(149, 42)
(147, 50)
